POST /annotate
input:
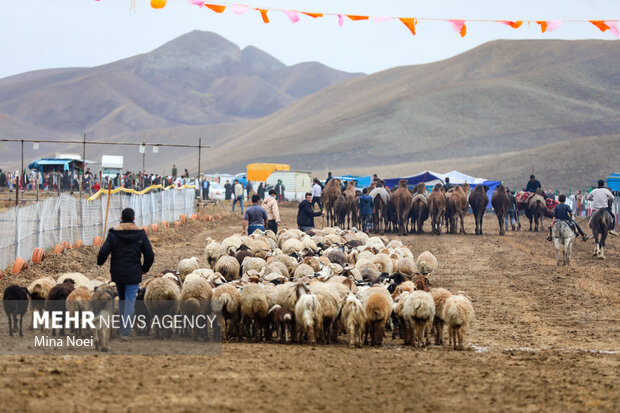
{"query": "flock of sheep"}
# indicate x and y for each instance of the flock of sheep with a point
(303, 287)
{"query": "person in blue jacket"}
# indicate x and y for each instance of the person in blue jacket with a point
(365, 208)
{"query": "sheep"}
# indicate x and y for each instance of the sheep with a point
(458, 313)
(92, 285)
(419, 313)
(398, 318)
(254, 307)
(259, 246)
(330, 306)
(374, 242)
(354, 319)
(406, 266)
(408, 286)
(309, 244)
(57, 300)
(303, 270)
(253, 263)
(314, 262)
(393, 244)
(230, 298)
(174, 278)
(383, 263)
(79, 279)
(427, 263)
(242, 254)
(369, 272)
(230, 245)
(332, 239)
(378, 309)
(278, 268)
(212, 252)
(77, 302)
(39, 290)
(290, 262)
(161, 299)
(186, 266)
(404, 252)
(362, 237)
(292, 245)
(102, 305)
(271, 293)
(282, 320)
(228, 266)
(337, 257)
(15, 301)
(307, 315)
(199, 274)
(440, 295)
(195, 295)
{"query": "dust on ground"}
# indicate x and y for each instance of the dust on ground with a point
(544, 338)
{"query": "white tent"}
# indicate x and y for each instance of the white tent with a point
(457, 177)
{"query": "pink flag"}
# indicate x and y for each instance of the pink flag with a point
(553, 25)
(459, 27)
(381, 18)
(613, 27)
(199, 3)
(239, 9)
(340, 20)
(292, 15)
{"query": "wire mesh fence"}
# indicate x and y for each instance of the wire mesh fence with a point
(67, 218)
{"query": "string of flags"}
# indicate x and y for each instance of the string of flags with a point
(458, 26)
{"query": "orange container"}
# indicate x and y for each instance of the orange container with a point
(58, 249)
(19, 265)
(78, 244)
(38, 255)
(154, 227)
(97, 241)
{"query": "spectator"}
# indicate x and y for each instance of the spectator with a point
(601, 197)
(305, 215)
(366, 208)
(329, 177)
(186, 175)
(255, 217)
(174, 172)
(127, 243)
(273, 211)
(228, 190)
(316, 194)
(280, 190)
(205, 189)
(512, 208)
(238, 195)
(249, 189)
(533, 184)
(261, 191)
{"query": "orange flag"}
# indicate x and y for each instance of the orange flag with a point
(514, 25)
(543, 25)
(263, 13)
(313, 15)
(216, 8)
(158, 4)
(410, 23)
(355, 18)
(600, 24)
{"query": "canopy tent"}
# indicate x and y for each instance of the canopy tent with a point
(362, 181)
(613, 182)
(55, 164)
(259, 172)
(428, 177)
(458, 178)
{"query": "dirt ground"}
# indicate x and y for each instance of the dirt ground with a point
(545, 338)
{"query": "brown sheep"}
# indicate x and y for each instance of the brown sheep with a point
(378, 311)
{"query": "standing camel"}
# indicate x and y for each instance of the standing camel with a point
(419, 208)
(380, 197)
(330, 194)
(349, 193)
(401, 198)
(478, 201)
(437, 208)
(456, 207)
(500, 202)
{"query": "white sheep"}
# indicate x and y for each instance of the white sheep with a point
(458, 313)
(427, 263)
(440, 295)
(383, 263)
(161, 299)
(253, 263)
(230, 245)
(78, 278)
(406, 266)
(354, 319)
(195, 296)
(254, 308)
(78, 301)
(186, 266)
(330, 306)
(230, 300)
(228, 266)
(212, 252)
(419, 313)
(308, 316)
(303, 270)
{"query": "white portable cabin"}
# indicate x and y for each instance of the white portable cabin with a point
(296, 183)
(111, 165)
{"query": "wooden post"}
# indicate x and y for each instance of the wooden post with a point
(107, 208)
(21, 173)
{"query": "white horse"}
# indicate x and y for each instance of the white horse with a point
(564, 237)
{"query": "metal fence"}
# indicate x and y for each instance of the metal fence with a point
(67, 218)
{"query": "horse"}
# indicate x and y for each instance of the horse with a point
(419, 208)
(564, 238)
(600, 223)
(330, 194)
(535, 210)
(478, 201)
(500, 203)
(437, 208)
(402, 202)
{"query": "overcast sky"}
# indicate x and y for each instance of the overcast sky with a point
(42, 34)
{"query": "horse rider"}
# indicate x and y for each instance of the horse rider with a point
(563, 212)
(602, 197)
(533, 184)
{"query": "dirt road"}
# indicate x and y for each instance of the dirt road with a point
(545, 338)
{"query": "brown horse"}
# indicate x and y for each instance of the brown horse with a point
(535, 210)
(456, 207)
(401, 198)
(500, 203)
(437, 208)
(478, 201)
(419, 208)
(600, 223)
(330, 194)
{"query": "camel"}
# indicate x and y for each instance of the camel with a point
(535, 210)
(456, 207)
(564, 238)
(500, 203)
(341, 210)
(380, 197)
(401, 198)
(600, 223)
(419, 208)
(352, 200)
(437, 208)
(478, 201)
(330, 194)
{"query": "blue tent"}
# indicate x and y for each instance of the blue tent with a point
(613, 182)
(492, 186)
(47, 164)
(362, 181)
(427, 177)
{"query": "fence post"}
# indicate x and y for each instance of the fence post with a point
(59, 220)
(17, 231)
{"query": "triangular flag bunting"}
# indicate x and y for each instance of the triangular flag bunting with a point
(410, 23)
(263, 14)
(313, 15)
(239, 9)
(158, 4)
(514, 25)
(199, 3)
(355, 18)
(549, 25)
(459, 27)
(340, 20)
(613, 27)
(543, 26)
(216, 8)
(600, 24)
(292, 15)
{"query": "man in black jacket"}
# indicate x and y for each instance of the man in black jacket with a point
(305, 215)
(127, 243)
